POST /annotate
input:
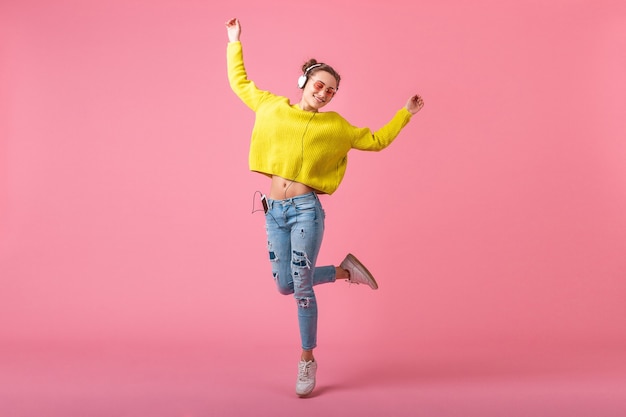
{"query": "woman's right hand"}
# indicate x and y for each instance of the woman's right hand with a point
(234, 30)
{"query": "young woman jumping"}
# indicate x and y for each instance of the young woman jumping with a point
(303, 152)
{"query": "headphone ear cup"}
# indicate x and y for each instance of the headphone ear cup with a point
(302, 81)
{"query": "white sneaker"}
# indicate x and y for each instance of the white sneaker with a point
(306, 378)
(358, 272)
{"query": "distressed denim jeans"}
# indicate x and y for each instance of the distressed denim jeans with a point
(295, 227)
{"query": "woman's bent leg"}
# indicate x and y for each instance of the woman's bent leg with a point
(324, 275)
(279, 249)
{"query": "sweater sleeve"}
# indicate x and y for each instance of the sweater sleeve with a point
(245, 89)
(366, 140)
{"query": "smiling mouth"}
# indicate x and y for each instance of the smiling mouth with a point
(319, 99)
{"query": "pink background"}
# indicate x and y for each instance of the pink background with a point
(495, 224)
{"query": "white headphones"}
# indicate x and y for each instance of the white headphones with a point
(304, 77)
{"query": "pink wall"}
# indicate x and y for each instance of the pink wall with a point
(498, 216)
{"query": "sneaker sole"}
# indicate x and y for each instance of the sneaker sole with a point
(305, 394)
(369, 275)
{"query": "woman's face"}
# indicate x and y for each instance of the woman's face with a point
(320, 88)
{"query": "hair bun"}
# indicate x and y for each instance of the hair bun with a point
(309, 63)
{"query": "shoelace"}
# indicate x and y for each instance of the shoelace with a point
(303, 370)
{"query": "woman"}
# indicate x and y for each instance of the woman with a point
(304, 153)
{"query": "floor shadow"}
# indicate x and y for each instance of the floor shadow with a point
(427, 371)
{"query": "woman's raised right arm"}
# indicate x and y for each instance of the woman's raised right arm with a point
(245, 89)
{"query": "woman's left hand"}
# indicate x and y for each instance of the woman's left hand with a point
(415, 104)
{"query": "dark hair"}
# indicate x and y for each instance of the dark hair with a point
(321, 67)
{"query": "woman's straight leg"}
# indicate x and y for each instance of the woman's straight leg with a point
(307, 232)
(295, 228)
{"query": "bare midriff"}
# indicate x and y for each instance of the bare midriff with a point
(282, 188)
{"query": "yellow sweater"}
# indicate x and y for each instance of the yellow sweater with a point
(310, 148)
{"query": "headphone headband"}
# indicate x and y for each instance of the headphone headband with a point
(311, 67)
(305, 76)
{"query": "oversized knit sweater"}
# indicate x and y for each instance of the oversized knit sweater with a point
(307, 147)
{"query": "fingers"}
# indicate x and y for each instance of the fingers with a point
(418, 100)
(233, 28)
(415, 104)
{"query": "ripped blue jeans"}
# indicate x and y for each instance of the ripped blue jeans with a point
(295, 227)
